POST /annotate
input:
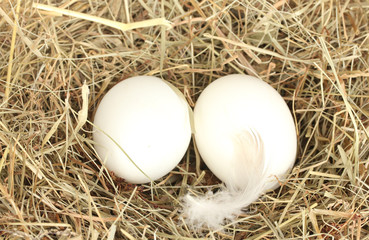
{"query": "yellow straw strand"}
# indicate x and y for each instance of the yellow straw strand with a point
(11, 56)
(107, 22)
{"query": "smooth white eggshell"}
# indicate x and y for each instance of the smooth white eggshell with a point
(150, 121)
(232, 104)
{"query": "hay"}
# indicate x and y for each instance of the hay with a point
(52, 186)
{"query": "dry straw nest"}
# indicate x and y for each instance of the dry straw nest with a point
(52, 185)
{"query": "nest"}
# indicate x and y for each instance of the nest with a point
(52, 184)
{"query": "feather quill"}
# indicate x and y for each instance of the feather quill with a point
(244, 185)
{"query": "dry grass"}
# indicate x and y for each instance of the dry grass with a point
(52, 186)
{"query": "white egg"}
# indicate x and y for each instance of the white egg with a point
(246, 135)
(142, 128)
(229, 115)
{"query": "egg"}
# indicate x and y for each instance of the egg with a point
(232, 107)
(142, 128)
(245, 133)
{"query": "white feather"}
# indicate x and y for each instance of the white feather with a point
(244, 185)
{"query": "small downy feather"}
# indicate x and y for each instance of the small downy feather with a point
(243, 186)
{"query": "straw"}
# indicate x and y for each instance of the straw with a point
(59, 58)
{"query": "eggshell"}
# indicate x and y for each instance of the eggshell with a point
(235, 104)
(145, 121)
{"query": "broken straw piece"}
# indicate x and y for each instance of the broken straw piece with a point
(107, 22)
